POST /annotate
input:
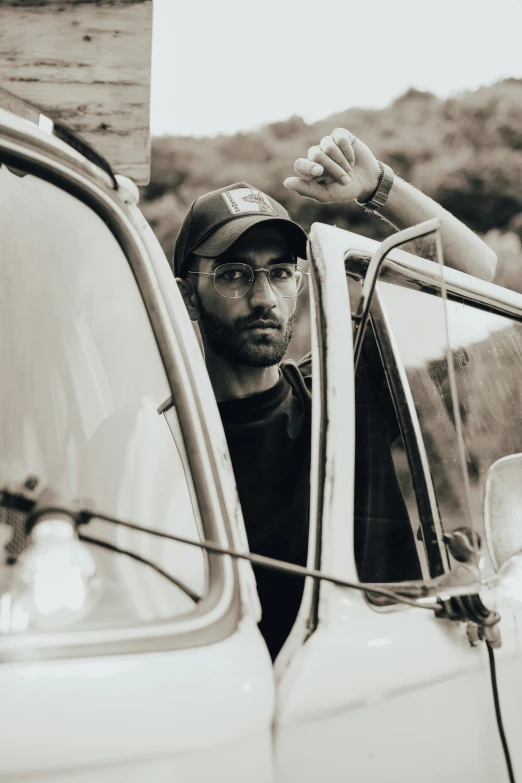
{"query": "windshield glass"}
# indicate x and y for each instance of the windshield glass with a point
(82, 379)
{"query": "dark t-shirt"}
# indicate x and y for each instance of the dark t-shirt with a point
(268, 436)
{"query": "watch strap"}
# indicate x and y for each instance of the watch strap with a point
(380, 196)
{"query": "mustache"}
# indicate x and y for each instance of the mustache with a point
(245, 322)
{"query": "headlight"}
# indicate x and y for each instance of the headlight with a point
(54, 582)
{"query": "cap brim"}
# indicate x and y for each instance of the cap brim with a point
(225, 236)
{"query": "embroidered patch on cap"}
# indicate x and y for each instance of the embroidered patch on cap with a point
(247, 200)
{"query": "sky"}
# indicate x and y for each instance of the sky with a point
(228, 65)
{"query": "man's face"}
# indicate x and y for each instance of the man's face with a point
(255, 329)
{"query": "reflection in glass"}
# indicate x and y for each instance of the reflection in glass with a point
(82, 379)
(384, 516)
(487, 356)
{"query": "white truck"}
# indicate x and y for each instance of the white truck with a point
(129, 647)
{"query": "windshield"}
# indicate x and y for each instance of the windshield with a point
(82, 380)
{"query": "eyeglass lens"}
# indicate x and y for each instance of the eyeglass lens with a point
(233, 280)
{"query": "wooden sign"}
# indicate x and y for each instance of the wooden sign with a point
(86, 64)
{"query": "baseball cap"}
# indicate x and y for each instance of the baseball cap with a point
(217, 219)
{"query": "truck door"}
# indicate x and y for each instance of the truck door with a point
(380, 690)
(123, 656)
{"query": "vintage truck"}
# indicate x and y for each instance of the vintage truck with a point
(129, 647)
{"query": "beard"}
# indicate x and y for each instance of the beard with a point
(239, 344)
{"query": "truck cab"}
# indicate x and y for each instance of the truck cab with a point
(129, 646)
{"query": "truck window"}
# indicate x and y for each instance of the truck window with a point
(487, 354)
(385, 514)
(82, 379)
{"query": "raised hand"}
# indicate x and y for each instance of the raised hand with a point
(341, 168)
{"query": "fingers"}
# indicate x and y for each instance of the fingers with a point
(307, 169)
(336, 155)
(335, 170)
(330, 147)
(344, 140)
(330, 162)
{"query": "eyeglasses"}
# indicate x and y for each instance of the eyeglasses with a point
(233, 280)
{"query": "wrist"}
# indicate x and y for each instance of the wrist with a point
(372, 183)
(377, 199)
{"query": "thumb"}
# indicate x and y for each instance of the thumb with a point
(307, 189)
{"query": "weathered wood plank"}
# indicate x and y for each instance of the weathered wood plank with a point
(85, 63)
(19, 107)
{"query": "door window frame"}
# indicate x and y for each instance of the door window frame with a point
(217, 616)
(329, 503)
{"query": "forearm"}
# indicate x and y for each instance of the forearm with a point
(463, 250)
(342, 168)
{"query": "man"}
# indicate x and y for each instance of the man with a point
(236, 263)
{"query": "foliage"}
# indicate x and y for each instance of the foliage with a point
(508, 248)
(466, 152)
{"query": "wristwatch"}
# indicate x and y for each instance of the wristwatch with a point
(380, 195)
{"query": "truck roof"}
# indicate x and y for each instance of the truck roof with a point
(80, 156)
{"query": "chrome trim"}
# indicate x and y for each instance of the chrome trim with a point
(217, 615)
(479, 293)
(402, 268)
(372, 274)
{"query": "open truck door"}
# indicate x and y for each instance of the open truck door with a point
(380, 690)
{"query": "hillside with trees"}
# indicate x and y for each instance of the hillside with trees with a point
(465, 152)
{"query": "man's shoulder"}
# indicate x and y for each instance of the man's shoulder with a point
(305, 365)
(299, 374)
